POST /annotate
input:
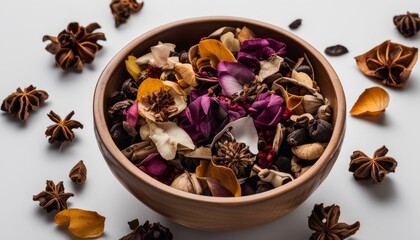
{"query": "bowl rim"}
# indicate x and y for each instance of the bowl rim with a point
(104, 136)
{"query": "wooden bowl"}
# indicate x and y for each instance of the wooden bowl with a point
(217, 213)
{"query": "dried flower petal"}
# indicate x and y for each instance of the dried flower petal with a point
(228, 39)
(81, 223)
(390, 62)
(215, 51)
(372, 102)
(267, 110)
(132, 67)
(216, 189)
(232, 76)
(158, 168)
(223, 175)
(168, 138)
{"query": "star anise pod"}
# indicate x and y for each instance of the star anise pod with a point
(324, 221)
(250, 92)
(161, 103)
(21, 102)
(61, 131)
(234, 155)
(53, 197)
(75, 45)
(147, 231)
(407, 24)
(121, 10)
(390, 62)
(375, 169)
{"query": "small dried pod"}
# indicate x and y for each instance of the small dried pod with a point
(324, 112)
(312, 103)
(320, 130)
(78, 173)
(139, 151)
(301, 120)
(295, 104)
(277, 179)
(297, 137)
(309, 151)
(297, 166)
(187, 182)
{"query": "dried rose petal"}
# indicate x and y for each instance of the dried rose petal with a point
(233, 76)
(267, 110)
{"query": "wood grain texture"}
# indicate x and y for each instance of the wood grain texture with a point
(214, 213)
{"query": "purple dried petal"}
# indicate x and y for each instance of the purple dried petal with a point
(233, 76)
(131, 114)
(154, 165)
(266, 110)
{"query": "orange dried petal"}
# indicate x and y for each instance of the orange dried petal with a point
(224, 175)
(132, 67)
(81, 223)
(148, 86)
(295, 104)
(372, 102)
(215, 51)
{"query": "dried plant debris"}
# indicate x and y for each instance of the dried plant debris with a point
(81, 223)
(324, 221)
(21, 102)
(78, 173)
(407, 24)
(375, 168)
(62, 130)
(336, 50)
(372, 102)
(75, 45)
(122, 9)
(53, 197)
(389, 62)
(147, 231)
(295, 24)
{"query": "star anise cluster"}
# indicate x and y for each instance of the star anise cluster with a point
(53, 197)
(161, 104)
(375, 169)
(21, 102)
(407, 24)
(390, 62)
(62, 130)
(324, 221)
(121, 10)
(234, 155)
(147, 231)
(75, 45)
(250, 92)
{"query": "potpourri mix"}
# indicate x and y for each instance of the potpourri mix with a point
(233, 115)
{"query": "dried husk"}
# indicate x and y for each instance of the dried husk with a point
(302, 78)
(297, 137)
(312, 103)
(324, 112)
(187, 182)
(81, 223)
(295, 104)
(276, 178)
(301, 120)
(270, 66)
(279, 137)
(309, 151)
(287, 87)
(297, 167)
(224, 175)
(372, 102)
(139, 151)
(232, 44)
(245, 34)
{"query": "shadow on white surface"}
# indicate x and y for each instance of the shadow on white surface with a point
(384, 192)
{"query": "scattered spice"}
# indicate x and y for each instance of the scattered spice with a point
(20, 103)
(62, 130)
(390, 62)
(295, 24)
(324, 221)
(78, 173)
(372, 102)
(336, 50)
(375, 169)
(407, 24)
(81, 223)
(75, 45)
(147, 231)
(121, 10)
(53, 197)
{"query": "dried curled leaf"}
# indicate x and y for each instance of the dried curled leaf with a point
(372, 102)
(224, 175)
(132, 67)
(81, 223)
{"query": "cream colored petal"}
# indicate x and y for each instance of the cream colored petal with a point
(229, 40)
(302, 78)
(175, 132)
(270, 66)
(145, 59)
(372, 102)
(161, 53)
(186, 73)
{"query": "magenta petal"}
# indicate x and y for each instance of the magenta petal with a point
(278, 47)
(233, 76)
(154, 165)
(132, 115)
(267, 110)
(254, 44)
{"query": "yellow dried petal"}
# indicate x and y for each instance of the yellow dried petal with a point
(132, 67)
(229, 40)
(215, 51)
(81, 223)
(224, 175)
(372, 102)
(295, 104)
(302, 78)
(245, 34)
(148, 86)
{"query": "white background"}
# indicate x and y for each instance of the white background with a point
(386, 211)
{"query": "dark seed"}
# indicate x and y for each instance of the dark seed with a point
(336, 50)
(295, 24)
